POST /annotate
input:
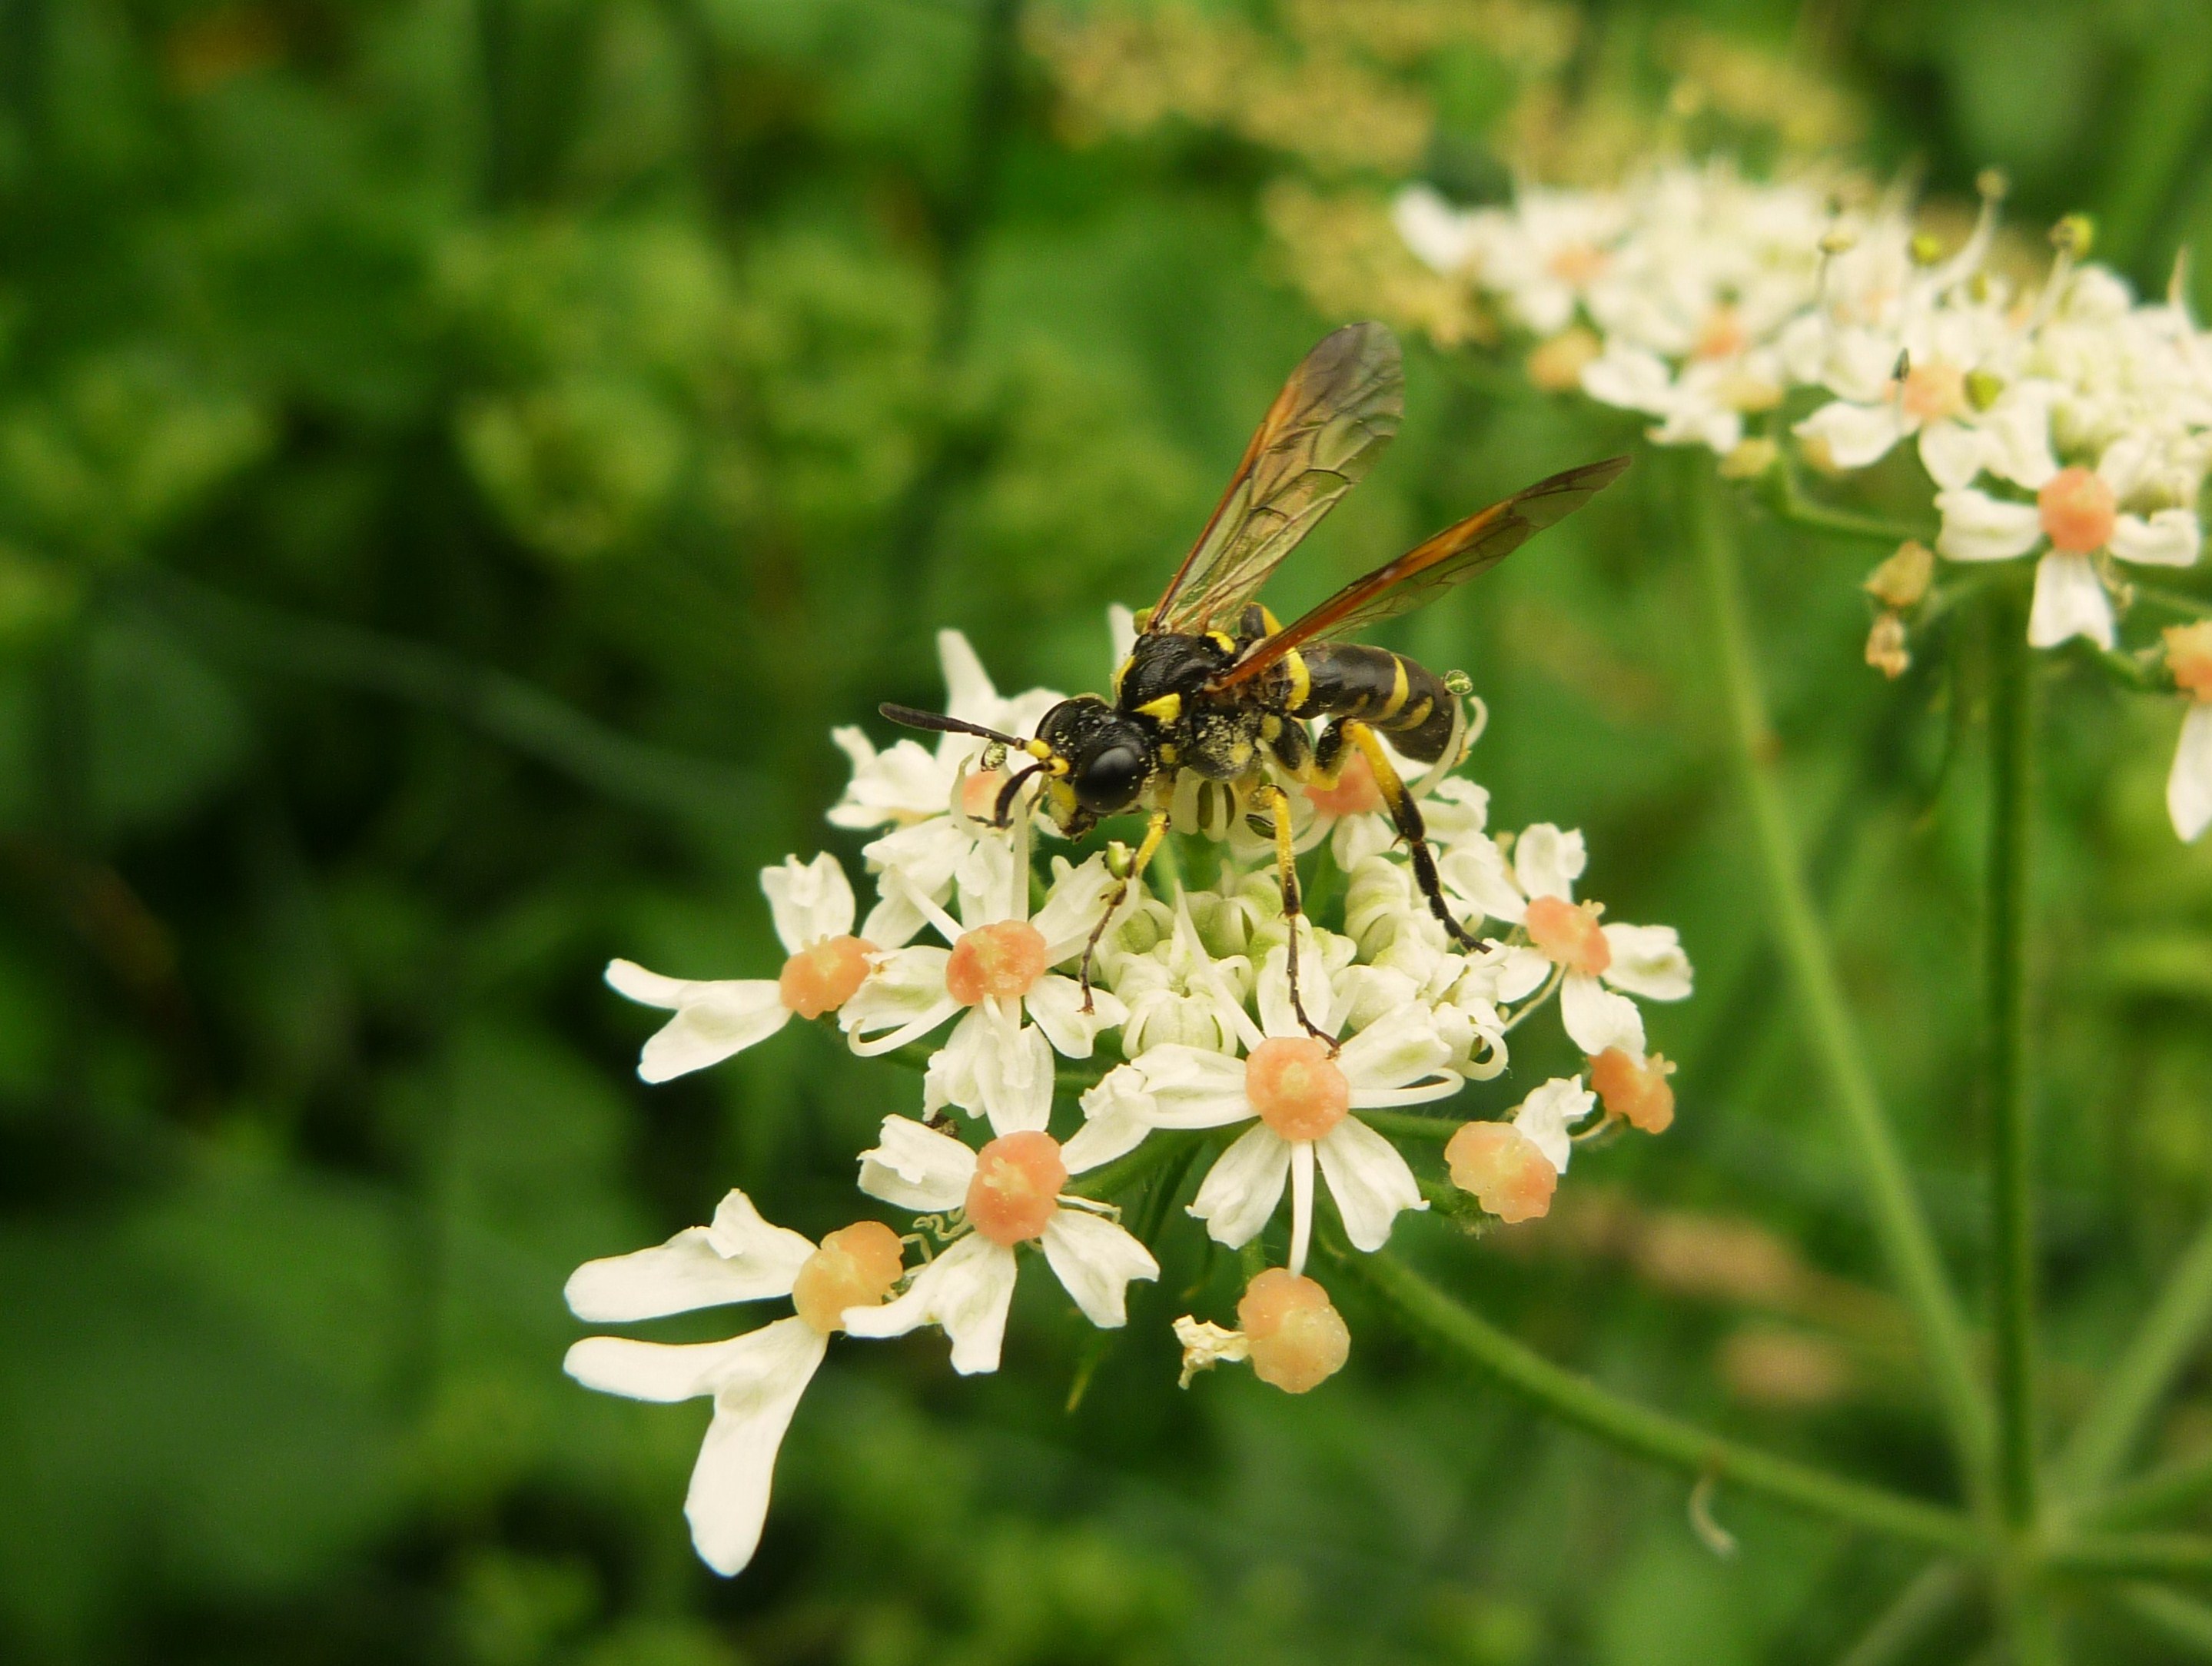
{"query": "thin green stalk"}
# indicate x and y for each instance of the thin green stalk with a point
(2170, 1333)
(1787, 498)
(1466, 1336)
(2012, 1145)
(1933, 1597)
(2155, 1494)
(2167, 1555)
(2179, 1619)
(1899, 1222)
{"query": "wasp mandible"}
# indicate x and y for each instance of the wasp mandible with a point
(1215, 686)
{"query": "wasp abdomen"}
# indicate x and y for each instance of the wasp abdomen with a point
(1401, 697)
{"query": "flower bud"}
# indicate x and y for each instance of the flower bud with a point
(1902, 581)
(1886, 650)
(1296, 1339)
(2189, 657)
(1503, 1168)
(1636, 1090)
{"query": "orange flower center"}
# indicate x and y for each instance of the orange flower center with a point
(1721, 336)
(2189, 657)
(1297, 1338)
(2079, 511)
(1006, 959)
(1568, 934)
(1354, 794)
(1296, 1087)
(1503, 1168)
(979, 793)
(1933, 391)
(821, 978)
(1018, 1177)
(855, 1266)
(1636, 1090)
(1576, 263)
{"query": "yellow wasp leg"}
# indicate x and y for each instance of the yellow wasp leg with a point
(1286, 870)
(1155, 830)
(1407, 815)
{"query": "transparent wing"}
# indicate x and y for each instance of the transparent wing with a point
(1334, 414)
(1434, 566)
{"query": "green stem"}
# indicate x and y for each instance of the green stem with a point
(2179, 1619)
(2170, 1333)
(2171, 1555)
(2176, 601)
(1920, 1608)
(1900, 1224)
(1787, 501)
(1465, 1336)
(2012, 1161)
(2155, 1494)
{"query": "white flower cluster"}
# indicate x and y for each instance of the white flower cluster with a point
(969, 962)
(2072, 423)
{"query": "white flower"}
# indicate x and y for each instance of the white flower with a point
(937, 803)
(1010, 1192)
(755, 1379)
(1546, 1115)
(996, 970)
(1177, 992)
(811, 903)
(1536, 893)
(2076, 520)
(1301, 1098)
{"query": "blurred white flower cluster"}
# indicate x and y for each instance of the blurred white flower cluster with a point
(1037, 1106)
(1809, 323)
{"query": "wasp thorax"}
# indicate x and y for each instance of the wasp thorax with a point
(822, 977)
(855, 1266)
(1569, 935)
(1015, 1190)
(1297, 1337)
(1004, 959)
(1297, 1089)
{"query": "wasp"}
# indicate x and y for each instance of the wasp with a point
(1216, 686)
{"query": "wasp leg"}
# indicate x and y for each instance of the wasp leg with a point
(1403, 810)
(1155, 830)
(1287, 869)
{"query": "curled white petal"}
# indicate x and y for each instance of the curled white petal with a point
(715, 1018)
(1547, 862)
(1476, 871)
(2069, 601)
(1095, 1260)
(967, 1291)
(903, 997)
(1116, 1119)
(1647, 961)
(1596, 1018)
(916, 1167)
(2189, 787)
(1546, 1115)
(740, 1258)
(1241, 1190)
(1856, 435)
(1192, 1087)
(2170, 538)
(809, 901)
(1979, 527)
(1395, 1051)
(1056, 1004)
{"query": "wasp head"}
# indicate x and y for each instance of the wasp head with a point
(1110, 758)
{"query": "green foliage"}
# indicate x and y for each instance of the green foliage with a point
(637, 388)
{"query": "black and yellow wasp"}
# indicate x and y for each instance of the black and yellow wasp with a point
(1214, 686)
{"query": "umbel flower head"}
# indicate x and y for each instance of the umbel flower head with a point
(1190, 1046)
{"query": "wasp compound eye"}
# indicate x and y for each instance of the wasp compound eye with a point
(1106, 780)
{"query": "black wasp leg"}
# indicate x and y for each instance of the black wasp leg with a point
(1155, 830)
(1407, 815)
(1286, 870)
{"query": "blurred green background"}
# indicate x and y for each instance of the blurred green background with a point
(458, 458)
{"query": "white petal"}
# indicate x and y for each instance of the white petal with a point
(1116, 1119)
(2016, 437)
(626, 977)
(1979, 527)
(2171, 537)
(1243, 1188)
(715, 1021)
(1056, 1004)
(1095, 1260)
(1368, 1180)
(1647, 961)
(893, 921)
(2069, 601)
(1016, 1074)
(728, 1497)
(967, 1290)
(1596, 1018)
(1545, 1117)
(1476, 871)
(1075, 904)
(738, 1231)
(1629, 377)
(661, 1371)
(1436, 232)
(1547, 862)
(904, 996)
(969, 692)
(1522, 971)
(1857, 434)
(1456, 812)
(809, 901)
(691, 1270)
(916, 1167)
(1399, 1049)
(1120, 631)
(1951, 454)
(1316, 991)
(2189, 788)
(1193, 1087)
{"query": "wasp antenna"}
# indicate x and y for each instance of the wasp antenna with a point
(911, 718)
(1003, 814)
